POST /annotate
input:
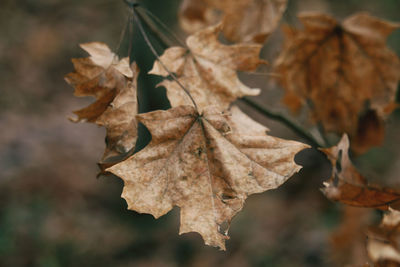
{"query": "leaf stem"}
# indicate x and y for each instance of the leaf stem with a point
(153, 50)
(161, 38)
(281, 118)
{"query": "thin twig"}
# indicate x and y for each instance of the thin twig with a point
(281, 118)
(150, 45)
(130, 36)
(163, 25)
(161, 38)
(123, 33)
(320, 127)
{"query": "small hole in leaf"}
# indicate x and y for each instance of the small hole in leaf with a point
(228, 194)
(227, 197)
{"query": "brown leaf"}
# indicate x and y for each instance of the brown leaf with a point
(348, 239)
(370, 132)
(195, 15)
(113, 83)
(348, 186)
(384, 242)
(208, 70)
(205, 164)
(340, 69)
(244, 21)
(251, 20)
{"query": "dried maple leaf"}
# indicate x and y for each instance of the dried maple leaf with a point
(384, 242)
(348, 186)
(245, 20)
(205, 164)
(340, 69)
(113, 83)
(207, 69)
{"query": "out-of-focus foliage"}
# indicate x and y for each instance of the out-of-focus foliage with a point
(244, 20)
(342, 71)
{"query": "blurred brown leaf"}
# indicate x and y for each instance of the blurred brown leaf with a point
(348, 240)
(342, 71)
(244, 20)
(195, 15)
(370, 132)
(251, 20)
(384, 242)
(113, 83)
(205, 164)
(348, 186)
(207, 69)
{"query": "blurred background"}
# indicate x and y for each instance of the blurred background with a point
(55, 212)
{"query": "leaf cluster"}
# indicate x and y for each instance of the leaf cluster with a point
(206, 156)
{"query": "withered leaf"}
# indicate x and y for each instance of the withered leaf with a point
(348, 239)
(370, 132)
(195, 15)
(251, 20)
(348, 186)
(205, 164)
(113, 83)
(244, 20)
(208, 70)
(341, 69)
(384, 242)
